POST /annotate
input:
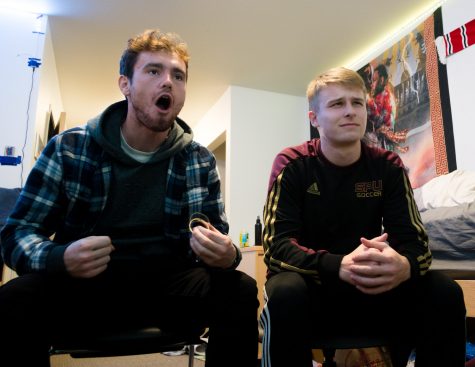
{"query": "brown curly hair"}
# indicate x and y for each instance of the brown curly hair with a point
(152, 40)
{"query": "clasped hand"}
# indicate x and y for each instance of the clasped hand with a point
(374, 267)
(212, 247)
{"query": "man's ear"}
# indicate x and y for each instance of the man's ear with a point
(124, 85)
(312, 116)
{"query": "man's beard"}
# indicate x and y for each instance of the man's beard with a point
(145, 120)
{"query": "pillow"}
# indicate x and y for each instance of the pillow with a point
(452, 189)
(8, 199)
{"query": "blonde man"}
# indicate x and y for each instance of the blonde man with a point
(345, 246)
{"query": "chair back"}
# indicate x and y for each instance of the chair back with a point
(8, 198)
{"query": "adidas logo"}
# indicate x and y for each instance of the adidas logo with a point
(313, 189)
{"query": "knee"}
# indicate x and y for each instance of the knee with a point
(235, 287)
(456, 298)
(446, 292)
(288, 302)
(19, 294)
(247, 286)
(287, 289)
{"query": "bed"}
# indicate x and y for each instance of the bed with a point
(447, 206)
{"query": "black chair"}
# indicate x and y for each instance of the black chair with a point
(130, 342)
(8, 198)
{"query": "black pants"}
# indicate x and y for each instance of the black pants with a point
(36, 310)
(427, 314)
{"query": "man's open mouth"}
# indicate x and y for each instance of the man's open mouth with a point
(164, 102)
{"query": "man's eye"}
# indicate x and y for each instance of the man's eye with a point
(179, 77)
(153, 72)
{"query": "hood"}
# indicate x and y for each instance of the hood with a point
(105, 130)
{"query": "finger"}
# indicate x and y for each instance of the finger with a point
(103, 241)
(98, 242)
(94, 272)
(381, 238)
(208, 256)
(96, 264)
(91, 269)
(211, 234)
(213, 240)
(368, 270)
(368, 257)
(369, 282)
(213, 229)
(195, 246)
(101, 252)
(199, 235)
(201, 250)
(374, 285)
(377, 242)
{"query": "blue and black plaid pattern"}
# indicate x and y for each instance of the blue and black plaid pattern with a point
(67, 190)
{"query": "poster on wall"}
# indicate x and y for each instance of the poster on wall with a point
(408, 103)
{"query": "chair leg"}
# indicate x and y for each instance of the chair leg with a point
(329, 357)
(191, 355)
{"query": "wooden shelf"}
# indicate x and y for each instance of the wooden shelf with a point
(468, 287)
(252, 263)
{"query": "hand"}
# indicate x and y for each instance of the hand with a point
(212, 247)
(378, 268)
(345, 272)
(88, 257)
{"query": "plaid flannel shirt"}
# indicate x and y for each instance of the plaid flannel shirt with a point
(67, 190)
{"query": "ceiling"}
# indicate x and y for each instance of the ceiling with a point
(263, 44)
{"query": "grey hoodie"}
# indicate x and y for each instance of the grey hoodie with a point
(133, 216)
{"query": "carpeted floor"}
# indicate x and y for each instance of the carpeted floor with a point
(146, 360)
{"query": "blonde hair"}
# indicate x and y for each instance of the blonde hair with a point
(340, 76)
(152, 40)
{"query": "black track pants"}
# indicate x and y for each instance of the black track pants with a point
(427, 314)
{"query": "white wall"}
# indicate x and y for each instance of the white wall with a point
(262, 124)
(49, 96)
(258, 124)
(215, 122)
(461, 77)
(18, 44)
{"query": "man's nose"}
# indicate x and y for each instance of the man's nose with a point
(166, 80)
(349, 110)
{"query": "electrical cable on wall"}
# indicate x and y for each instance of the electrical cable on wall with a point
(33, 66)
(33, 63)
